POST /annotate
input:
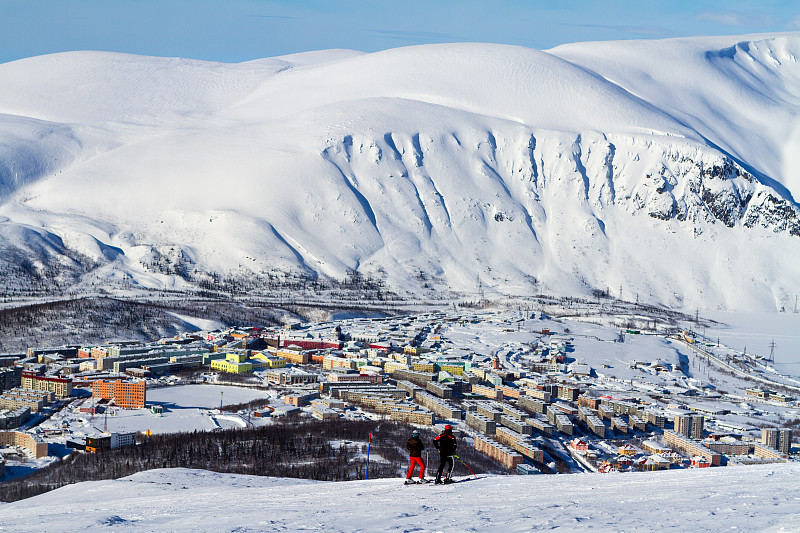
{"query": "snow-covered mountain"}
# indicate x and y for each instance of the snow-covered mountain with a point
(755, 498)
(668, 169)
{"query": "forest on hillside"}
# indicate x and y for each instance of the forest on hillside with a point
(295, 448)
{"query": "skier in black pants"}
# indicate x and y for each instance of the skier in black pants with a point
(446, 444)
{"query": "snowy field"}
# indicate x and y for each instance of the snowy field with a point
(755, 332)
(186, 408)
(756, 498)
(201, 396)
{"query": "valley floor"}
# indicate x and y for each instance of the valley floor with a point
(755, 498)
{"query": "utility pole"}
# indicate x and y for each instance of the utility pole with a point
(220, 400)
(772, 352)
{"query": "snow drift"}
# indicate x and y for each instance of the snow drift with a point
(667, 168)
(755, 498)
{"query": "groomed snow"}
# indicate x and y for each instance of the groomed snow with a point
(754, 498)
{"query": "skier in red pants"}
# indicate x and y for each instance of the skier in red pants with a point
(415, 448)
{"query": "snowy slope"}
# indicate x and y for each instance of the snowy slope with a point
(755, 498)
(663, 167)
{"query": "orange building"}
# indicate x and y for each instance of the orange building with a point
(126, 394)
(296, 356)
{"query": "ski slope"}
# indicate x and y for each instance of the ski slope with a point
(665, 167)
(754, 498)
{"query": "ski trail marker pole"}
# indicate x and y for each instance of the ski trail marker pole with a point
(369, 441)
(465, 464)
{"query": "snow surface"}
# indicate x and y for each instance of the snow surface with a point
(186, 408)
(754, 498)
(754, 332)
(567, 170)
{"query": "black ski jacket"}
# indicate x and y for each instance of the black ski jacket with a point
(446, 444)
(415, 447)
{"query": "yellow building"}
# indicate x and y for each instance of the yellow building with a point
(267, 361)
(627, 450)
(234, 363)
(423, 367)
(453, 370)
(392, 366)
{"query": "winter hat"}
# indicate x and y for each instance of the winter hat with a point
(448, 426)
(415, 433)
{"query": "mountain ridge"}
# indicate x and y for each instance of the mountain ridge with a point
(441, 170)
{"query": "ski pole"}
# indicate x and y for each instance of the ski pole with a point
(465, 464)
(369, 441)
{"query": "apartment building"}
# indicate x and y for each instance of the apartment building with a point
(61, 387)
(517, 425)
(779, 439)
(297, 357)
(489, 392)
(322, 412)
(300, 400)
(126, 394)
(14, 418)
(439, 406)
(567, 392)
(330, 362)
(519, 443)
(596, 426)
(489, 410)
(291, 376)
(10, 377)
(532, 404)
(35, 400)
(439, 389)
(513, 412)
(499, 452)
(692, 447)
(413, 417)
(541, 426)
(481, 423)
(767, 452)
(335, 377)
(689, 425)
(36, 447)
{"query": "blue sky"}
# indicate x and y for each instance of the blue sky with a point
(239, 30)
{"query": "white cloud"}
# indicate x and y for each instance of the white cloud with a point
(728, 17)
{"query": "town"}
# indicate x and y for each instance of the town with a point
(537, 394)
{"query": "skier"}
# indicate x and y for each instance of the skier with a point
(415, 448)
(446, 444)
